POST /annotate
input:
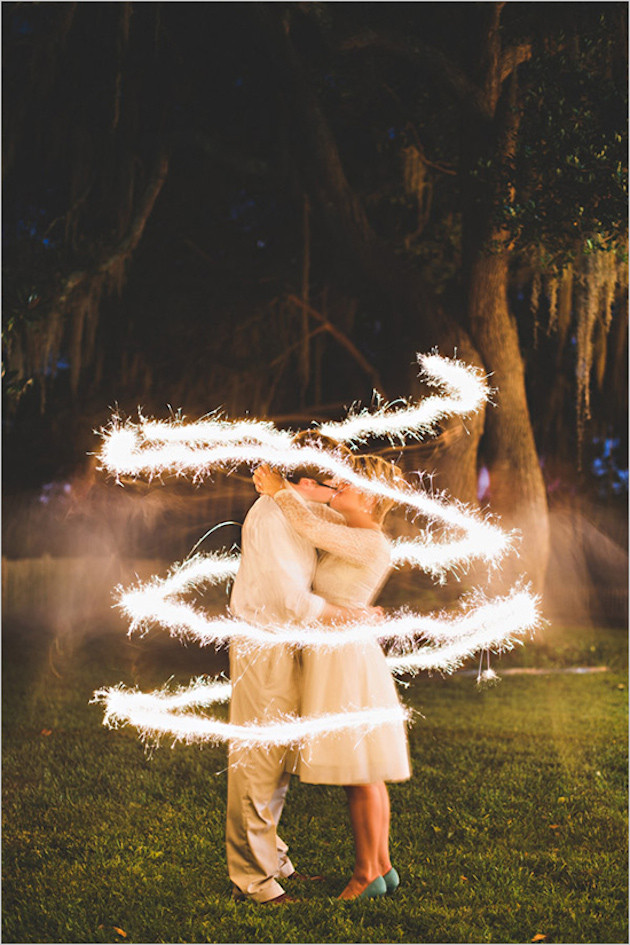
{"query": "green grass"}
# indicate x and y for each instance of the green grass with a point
(513, 825)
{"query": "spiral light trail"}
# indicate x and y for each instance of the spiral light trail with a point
(432, 642)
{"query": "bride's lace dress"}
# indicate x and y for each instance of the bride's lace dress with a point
(352, 568)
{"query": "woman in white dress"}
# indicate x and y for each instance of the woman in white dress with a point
(352, 568)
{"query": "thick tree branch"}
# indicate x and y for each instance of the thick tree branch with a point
(139, 221)
(127, 245)
(512, 57)
(343, 340)
(288, 351)
(432, 61)
(490, 54)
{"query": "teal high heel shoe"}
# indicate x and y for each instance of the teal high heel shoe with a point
(376, 888)
(391, 880)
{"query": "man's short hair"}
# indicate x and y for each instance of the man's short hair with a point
(321, 442)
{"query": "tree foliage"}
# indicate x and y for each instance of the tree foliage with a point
(134, 270)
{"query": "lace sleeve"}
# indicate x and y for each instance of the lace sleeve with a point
(325, 512)
(355, 545)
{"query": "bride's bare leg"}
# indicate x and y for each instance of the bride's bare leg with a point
(366, 816)
(384, 862)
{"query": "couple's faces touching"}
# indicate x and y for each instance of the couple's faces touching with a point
(341, 496)
(349, 499)
(318, 490)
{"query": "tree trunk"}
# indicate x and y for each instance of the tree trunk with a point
(517, 489)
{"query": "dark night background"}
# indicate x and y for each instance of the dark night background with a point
(269, 208)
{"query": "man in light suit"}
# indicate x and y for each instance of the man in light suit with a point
(272, 588)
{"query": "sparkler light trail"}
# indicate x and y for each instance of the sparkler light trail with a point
(158, 602)
(466, 388)
(152, 447)
(433, 642)
(482, 538)
(150, 714)
(496, 625)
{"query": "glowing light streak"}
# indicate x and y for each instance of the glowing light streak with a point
(485, 542)
(492, 625)
(518, 612)
(150, 714)
(482, 538)
(220, 567)
(202, 569)
(158, 602)
(153, 446)
(190, 447)
(218, 431)
(202, 691)
(441, 641)
(467, 392)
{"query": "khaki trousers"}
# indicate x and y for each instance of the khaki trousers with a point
(265, 686)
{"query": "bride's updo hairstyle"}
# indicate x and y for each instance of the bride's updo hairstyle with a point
(375, 467)
(321, 442)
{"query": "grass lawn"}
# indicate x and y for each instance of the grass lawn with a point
(514, 825)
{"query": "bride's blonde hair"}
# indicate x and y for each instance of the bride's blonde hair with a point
(375, 467)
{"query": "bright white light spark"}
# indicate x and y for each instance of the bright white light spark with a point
(202, 691)
(435, 642)
(154, 716)
(466, 389)
(214, 432)
(495, 625)
(159, 603)
(152, 447)
(481, 537)
(502, 628)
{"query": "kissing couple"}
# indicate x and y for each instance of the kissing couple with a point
(313, 551)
